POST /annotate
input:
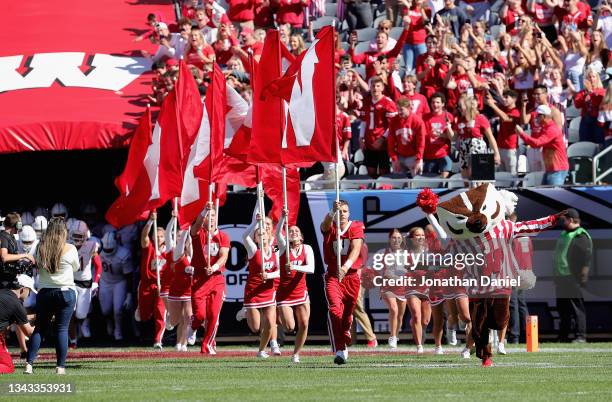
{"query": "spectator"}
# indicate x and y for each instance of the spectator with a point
(406, 140)
(296, 45)
(589, 100)
(451, 17)
(224, 44)
(543, 13)
(431, 67)
(599, 55)
(9, 251)
(377, 110)
(604, 21)
(358, 14)
(57, 261)
(248, 42)
(242, 13)
(511, 14)
(384, 26)
(472, 129)
(198, 53)
(552, 141)
(574, 15)
(264, 14)
(202, 21)
(507, 139)
(604, 117)
(291, 12)
(418, 16)
(439, 132)
(417, 101)
(573, 53)
(573, 254)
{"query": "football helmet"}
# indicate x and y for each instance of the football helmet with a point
(109, 242)
(59, 209)
(27, 218)
(40, 225)
(78, 232)
(27, 237)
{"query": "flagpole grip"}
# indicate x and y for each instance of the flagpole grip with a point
(156, 261)
(338, 245)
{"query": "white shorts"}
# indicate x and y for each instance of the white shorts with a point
(83, 303)
(534, 159)
(508, 160)
(112, 297)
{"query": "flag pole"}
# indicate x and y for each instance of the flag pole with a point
(260, 221)
(156, 252)
(286, 224)
(211, 187)
(175, 228)
(337, 181)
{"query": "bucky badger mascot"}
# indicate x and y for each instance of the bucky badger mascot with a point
(475, 222)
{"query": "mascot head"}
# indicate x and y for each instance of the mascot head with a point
(470, 213)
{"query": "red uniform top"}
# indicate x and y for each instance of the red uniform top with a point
(255, 266)
(418, 103)
(368, 58)
(552, 141)
(582, 19)
(416, 32)
(406, 137)
(241, 10)
(473, 129)
(507, 137)
(355, 230)
(589, 102)
(293, 277)
(290, 12)
(194, 59)
(148, 274)
(200, 251)
(376, 117)
(343, 128)
(437, 145)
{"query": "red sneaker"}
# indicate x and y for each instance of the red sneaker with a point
(373, 343)
(487, 363)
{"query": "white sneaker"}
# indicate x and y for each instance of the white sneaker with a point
(345, 354)
(275, 350)
(169, 327)
(465, 353)
(392, 342)
(60, 370)
(451, 337)
(137, 315)
(501, 348)
(184, 348)
(340, 359)
(419, 349)
(28, 369)
(241, 314)
(438, 350)
(178, 347)
(158, 345)
(262, 354)
(295, 358)
(191, 338)
(85, 329)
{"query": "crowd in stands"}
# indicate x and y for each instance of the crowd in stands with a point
(423, 85)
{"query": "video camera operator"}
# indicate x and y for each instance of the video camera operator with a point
(8, 243)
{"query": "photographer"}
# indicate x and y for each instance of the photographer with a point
(8, 243)
(13, 312)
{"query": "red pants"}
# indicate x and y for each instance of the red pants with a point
(150, 306)
(206, 300)
(6, 363)
(489, 313)
(341, 301)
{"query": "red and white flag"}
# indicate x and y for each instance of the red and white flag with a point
(309, 89)
(138, 149)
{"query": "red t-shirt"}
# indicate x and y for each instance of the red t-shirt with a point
(376, 117)
(148, 274)
(195, 60)
(264, 16)
(589, 102)
(343, 128)
(582, 18)
(256, 47)
(434, 79)
(512, 20)
(437, 145)
(464, 86)
(200, 250)
(418, 104)
(417, 32)
(552, 142)
(290, 12)
(368, 58)
(406, 137)
(223, 51)
(473, 129)
(241, 10)
(507, 137)
(355, 230)
(543, 15)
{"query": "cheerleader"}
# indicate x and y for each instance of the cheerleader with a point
(179, 293)
(292, 297)
(262, 283)
(417, 296)
(394, 296)
(166, 276)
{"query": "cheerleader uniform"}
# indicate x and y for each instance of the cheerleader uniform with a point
(257, 292)
(292, 290)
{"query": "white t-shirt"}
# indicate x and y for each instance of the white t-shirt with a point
(64, 277)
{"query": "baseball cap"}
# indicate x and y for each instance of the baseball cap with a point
(247, 31)
(26, 282)
(161, 25)
(572, 213)
(171, 63)
(544, 110)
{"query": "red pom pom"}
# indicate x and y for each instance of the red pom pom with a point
(427, 200)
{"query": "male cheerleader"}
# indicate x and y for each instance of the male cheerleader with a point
(341, 286)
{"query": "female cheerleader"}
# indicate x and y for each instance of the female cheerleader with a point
(292, 294)
(179, 295)
(260, 291)
(393, 296)
(417, 296)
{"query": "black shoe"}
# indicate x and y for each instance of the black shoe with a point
(23, 355)
(339, 360)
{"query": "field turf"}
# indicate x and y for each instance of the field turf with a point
(556, 373)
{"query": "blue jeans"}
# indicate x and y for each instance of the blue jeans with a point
(576, 79)
(410, 54)
(52, 302)
(555, 178)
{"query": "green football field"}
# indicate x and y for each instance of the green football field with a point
(558, 372)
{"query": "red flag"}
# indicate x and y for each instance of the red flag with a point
(138, 149)
(272, 178)
(205, 152)
(308, 87)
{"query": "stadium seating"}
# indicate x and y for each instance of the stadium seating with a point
(358, 157)
(456, 181)
(309, 185)
(366, 34)
(580, 156)
(396, 32)
(505, 179)
(533, 179)
(362, 47)
(422, 181)
(330, 9)
(323, 22)
(350, 168)
(362, 170)
(344, 185)
(387, 179)
(573, 135)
